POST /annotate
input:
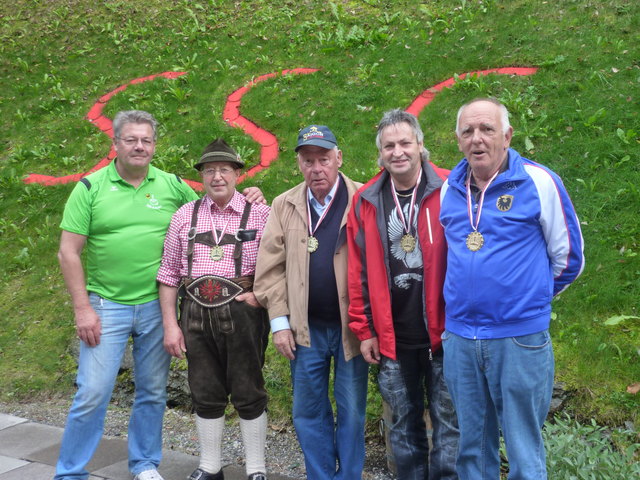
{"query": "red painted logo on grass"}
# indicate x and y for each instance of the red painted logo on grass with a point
(231, 114)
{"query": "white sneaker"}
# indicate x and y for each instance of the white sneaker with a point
(148, 475)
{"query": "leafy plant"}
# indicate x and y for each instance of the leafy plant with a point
(589, 451)
(226, 66)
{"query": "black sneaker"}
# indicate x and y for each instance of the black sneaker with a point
(257, 476)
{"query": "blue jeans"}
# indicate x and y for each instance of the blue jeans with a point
(403, 383)
(506, 384)
(97, 370)
(325, 441)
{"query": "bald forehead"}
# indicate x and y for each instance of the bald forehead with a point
(481, 107)
(480, 113)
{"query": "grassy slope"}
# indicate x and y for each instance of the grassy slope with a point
(578, 114)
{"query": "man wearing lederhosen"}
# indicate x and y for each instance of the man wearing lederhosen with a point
(209, 261)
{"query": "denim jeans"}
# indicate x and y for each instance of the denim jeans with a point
(97, 370)
(325, 441)
(403, 383)
(506, 384)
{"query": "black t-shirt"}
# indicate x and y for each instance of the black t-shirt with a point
(406, 270)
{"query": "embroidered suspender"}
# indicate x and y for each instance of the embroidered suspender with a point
(206, 238)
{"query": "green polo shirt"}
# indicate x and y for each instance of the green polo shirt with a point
(125, 229)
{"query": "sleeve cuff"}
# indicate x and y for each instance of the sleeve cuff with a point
(280, 323)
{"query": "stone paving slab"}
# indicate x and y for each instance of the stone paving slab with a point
(30, 450)
(9, 463)
(25, 439)
(110, 451)
(10, 420)
(32, 471)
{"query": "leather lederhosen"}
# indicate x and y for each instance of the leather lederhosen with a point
(226, 343)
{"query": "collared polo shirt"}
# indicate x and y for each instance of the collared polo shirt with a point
(317, 206)
(125, 229)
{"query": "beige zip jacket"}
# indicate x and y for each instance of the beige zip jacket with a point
(282, 270)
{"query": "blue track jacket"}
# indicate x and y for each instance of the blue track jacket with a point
(533, 250)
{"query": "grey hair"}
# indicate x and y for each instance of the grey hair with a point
(395, 116)
(504, 113)
(133, 116)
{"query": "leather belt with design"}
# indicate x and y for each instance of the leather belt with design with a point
(214, 291)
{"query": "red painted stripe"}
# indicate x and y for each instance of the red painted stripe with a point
(268, 142)
(425, 98)
(269, 148)
(96, 117)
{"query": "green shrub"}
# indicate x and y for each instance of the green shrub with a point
(587, 451)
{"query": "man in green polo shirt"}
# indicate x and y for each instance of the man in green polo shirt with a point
(119, 215)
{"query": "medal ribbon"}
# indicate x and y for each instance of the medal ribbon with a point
(324, 214)
(480, 203)
(213, 228)
(406, 224)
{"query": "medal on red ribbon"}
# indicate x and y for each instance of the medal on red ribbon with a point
(475, 239)
(408, 242)
(312, 241)
(217, 252)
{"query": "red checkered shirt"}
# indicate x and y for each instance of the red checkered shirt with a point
(174, 259)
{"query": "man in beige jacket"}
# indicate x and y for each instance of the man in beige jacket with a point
(305, 233)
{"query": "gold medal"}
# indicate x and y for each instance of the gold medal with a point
(475, 240)
(312, 244)
(217, 253)
(408, 243)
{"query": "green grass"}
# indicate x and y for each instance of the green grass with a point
(578, 114)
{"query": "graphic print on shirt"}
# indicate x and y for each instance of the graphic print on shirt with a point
(408, 264)
(153, 202)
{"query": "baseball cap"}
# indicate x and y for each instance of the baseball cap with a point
(318, 135)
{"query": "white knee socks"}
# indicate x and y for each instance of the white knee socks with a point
(210, 435)
(254, 437)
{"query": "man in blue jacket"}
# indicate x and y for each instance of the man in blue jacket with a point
(514, 243)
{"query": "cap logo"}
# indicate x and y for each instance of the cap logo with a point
(312, 133)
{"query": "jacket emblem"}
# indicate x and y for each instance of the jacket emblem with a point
(504, 202)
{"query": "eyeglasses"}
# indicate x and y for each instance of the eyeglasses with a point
(223, 171)
(132, 141)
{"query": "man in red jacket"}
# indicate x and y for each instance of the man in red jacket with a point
(397, 259)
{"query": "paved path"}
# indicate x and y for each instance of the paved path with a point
(29, 450)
